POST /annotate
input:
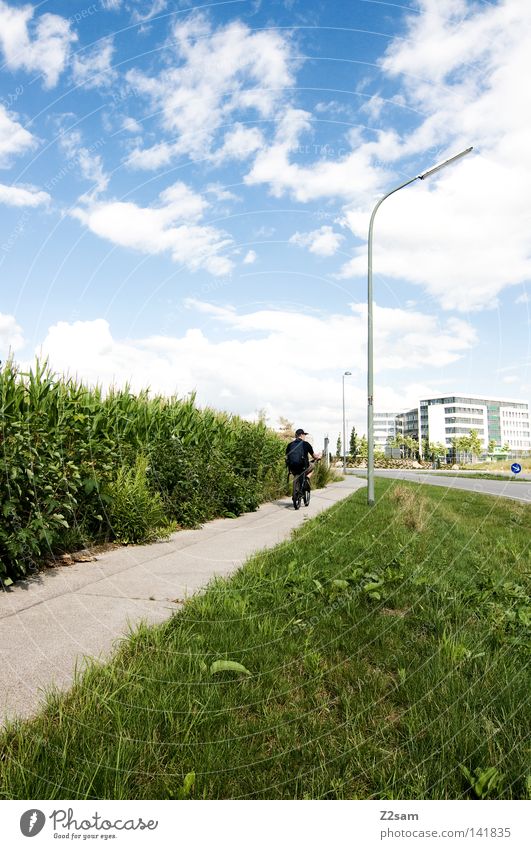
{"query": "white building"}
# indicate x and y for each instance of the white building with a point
(385, 427)
(505, 421)
(502, 420)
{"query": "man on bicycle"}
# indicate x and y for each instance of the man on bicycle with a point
(298, 453)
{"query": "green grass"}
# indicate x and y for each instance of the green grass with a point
(484, 476)
(386, 655)
(498, 465)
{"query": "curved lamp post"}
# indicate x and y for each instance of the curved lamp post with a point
(370, 380)
(344, 438)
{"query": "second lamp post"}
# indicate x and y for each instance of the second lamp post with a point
(344, 437)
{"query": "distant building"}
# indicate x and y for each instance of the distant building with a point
(503, 420)
(385, 428)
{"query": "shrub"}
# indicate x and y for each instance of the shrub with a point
(135, 512)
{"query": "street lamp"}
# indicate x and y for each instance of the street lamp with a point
(344, 439)
(370, 381)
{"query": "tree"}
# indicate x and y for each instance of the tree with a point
(437, 450)
(491, 447)
(363, 450)
(475, 443)
(396, 442)
(462, 447)
(286, 429)
(338, 447)
(506, 447)
(353, 443)
(411, 446)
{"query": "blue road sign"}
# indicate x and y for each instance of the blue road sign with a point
(516, 468)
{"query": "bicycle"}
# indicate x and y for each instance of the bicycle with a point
(301, 488)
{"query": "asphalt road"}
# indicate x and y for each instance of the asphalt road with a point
(519, 490)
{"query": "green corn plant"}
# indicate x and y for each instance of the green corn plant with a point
(64, 443)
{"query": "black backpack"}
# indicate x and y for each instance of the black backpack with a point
(295, 459)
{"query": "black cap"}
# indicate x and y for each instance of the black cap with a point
(300, 432)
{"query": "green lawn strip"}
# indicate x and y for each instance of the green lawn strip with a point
(485, 476)
(387, 651)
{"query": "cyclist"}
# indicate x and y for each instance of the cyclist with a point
(297, 455)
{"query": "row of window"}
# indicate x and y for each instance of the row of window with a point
(492, 405)
(470, 410)
(463, 430)
(460, 420)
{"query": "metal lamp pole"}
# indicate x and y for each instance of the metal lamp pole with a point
(370, 369)
(344, 438)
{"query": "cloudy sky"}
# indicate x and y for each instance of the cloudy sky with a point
(185, 194)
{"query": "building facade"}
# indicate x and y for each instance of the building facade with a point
(501, 420)
(385, 428)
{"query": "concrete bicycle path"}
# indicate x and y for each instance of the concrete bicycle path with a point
(51, 622)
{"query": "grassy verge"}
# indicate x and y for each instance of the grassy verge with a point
(498, 465)
(384, 654)
(483, 476)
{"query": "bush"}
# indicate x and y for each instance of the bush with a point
(135, 512)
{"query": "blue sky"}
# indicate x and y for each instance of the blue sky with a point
(185, 194)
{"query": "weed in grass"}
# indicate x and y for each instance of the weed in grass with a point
(483, 782)
(412, 509)
(455, 651)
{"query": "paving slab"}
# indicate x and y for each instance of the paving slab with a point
(56, 620)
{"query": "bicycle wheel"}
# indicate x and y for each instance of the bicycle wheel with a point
(297, 494)
(306, 492)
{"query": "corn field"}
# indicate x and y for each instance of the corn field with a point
(81, 466)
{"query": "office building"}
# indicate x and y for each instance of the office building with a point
(501, 420)
(385, 428)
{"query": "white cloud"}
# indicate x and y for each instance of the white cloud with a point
(42, 45)
(213, 75)
(92, 68)
(352, 174)
(11, 338)
(131, 125)
(465, 236)
(152, 158)
(239, 143)
(172, 225)
(522, 299)
(14, 139)
(451, 240)
(323, 242)
(244, 367)
(22, 196)
(220, 192)
(90, 163)
(264, 232)
(156, 7)
(249, 258)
